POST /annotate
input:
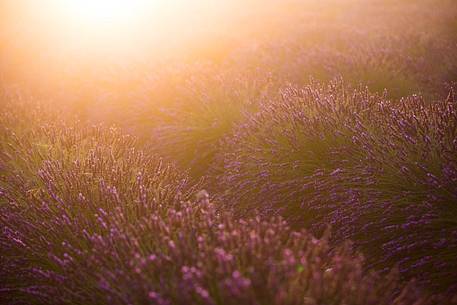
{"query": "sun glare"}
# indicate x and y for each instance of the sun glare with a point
(106, 27)
(117, 30)
(95, 13)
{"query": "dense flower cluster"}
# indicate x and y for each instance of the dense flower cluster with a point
(382, 173)
(103, 223)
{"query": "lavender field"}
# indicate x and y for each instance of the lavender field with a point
(228, 152)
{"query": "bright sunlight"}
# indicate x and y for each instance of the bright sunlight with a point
(123, 29)
(103, 12)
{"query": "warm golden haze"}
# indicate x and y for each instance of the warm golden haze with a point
(228, 152)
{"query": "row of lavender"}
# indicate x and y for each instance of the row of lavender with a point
(382, 172)
(86, 218)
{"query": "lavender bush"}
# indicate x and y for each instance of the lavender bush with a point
(382, 173)
(278, 155)
(409, 177)
(188, 126)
